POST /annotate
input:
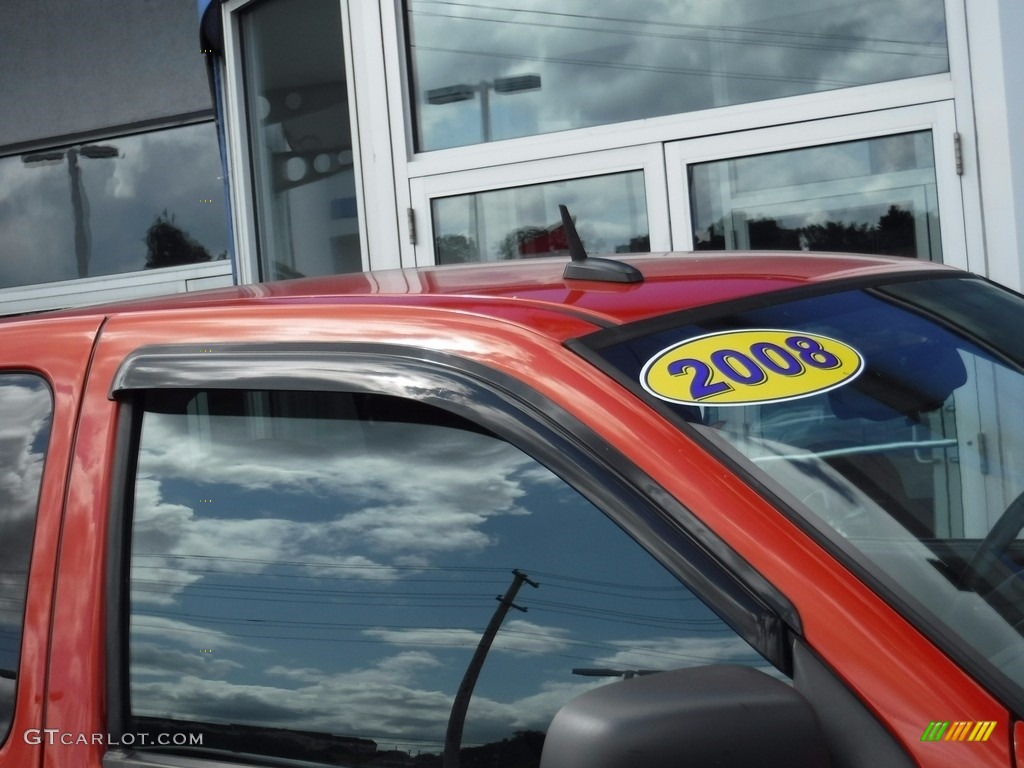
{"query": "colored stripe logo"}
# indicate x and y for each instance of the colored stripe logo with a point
(959, 730)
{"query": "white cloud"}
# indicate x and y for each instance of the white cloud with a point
(411, 499)
(515, 636)
(663, 653)
(24, 414)
(185, 634)
(154, 660)
(372, 702)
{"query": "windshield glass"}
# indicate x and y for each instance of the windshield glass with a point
(888, 417)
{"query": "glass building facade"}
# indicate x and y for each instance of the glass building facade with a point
(435, 132)
(403, 133)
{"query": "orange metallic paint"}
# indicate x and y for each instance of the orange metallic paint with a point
(58, 350)
(895, 670)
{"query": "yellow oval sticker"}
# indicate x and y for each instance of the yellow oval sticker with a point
(750, 367)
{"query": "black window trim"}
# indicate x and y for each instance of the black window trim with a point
(750, 605)
(607, 337)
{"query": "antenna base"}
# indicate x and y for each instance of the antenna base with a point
(602, 270)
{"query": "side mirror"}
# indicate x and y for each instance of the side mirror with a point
(717, 716)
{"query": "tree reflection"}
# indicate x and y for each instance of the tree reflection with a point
(892, 235)
(455, 249)
(169, 245)
(521, 750)
(533, 241)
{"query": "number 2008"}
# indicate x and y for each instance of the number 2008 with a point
(750, 369)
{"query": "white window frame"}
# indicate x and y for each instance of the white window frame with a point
(396, 183)
(377, 131)
(665, 168)
(736, 117)
(374, 174)
(243, 200)
(127, 286)
(958, 198)
(723, 120)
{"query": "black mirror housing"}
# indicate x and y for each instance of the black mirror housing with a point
(719, 716)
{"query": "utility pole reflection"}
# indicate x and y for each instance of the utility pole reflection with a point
(457, 719)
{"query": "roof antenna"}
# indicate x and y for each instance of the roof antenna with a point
(583, 267)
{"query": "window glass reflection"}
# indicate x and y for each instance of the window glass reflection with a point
(301, 139)
(872, 196)
(25, 413)
(522, 222)
(312, 572)
(485, 70)
(107, 207)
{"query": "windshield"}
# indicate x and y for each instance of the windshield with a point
(891, 418)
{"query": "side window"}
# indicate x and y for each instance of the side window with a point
(25, 414)
(313, 574)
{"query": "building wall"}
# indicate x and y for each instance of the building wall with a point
(997, 59)
(70, 69)
(645, 120)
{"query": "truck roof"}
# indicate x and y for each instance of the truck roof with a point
(672, 282)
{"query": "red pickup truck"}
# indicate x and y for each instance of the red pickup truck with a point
(691, 510)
